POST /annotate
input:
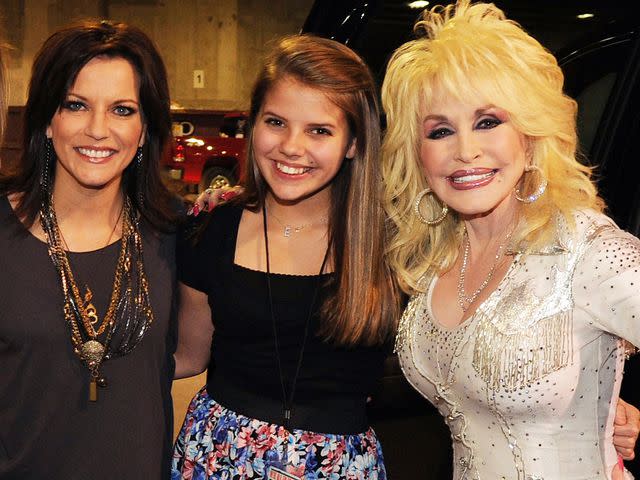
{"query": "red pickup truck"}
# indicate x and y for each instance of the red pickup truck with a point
(200, 161)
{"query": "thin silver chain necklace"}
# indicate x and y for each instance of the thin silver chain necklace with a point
(465, 300)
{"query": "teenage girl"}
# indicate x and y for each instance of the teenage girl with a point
(286, 282)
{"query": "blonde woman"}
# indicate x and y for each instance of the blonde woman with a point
(522, 288)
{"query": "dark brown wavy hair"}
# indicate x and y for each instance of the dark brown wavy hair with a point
(55, 69)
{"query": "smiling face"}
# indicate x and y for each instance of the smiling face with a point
(99, 126)
(300, 140)
(472, 156)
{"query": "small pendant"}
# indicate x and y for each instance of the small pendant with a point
(96, 382)
(277, 474)
(286, 417)
(92, 352)
(287, 231)
(90, 312)
(93, 390)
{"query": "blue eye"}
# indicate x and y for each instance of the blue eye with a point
(124, 111)
(73, 105)
(439, 133)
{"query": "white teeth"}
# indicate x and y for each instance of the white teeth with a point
(291, 170)
(471, 178)
(95, 153)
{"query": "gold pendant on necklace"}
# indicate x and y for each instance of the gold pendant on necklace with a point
(90, 312)
(89, 308)
(92, 352)
(96, 381)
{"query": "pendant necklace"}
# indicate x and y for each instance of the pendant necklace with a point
(87, 305)
(288, 394)
(289, 229)
(129, 303)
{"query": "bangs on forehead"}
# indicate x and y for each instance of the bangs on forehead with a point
(471, 71)
(474, 86)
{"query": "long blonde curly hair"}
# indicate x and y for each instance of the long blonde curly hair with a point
(472, 53)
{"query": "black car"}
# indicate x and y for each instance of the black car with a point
(598, 47)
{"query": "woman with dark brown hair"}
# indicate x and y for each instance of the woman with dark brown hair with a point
(87, 273)
(287, 277)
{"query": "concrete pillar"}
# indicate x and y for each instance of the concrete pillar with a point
(225, 39)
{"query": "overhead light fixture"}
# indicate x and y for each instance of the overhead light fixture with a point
(418, 4)
(584, 16)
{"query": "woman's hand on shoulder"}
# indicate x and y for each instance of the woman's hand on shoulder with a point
(212, 197)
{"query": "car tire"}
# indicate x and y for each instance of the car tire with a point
(216, 177)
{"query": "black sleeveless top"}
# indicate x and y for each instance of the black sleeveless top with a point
(333, 382)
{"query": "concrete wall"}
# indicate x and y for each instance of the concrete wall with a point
(223, 39)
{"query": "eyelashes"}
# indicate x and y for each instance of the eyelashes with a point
(439, 133)
(274, 122)
(118, 110)
(488, 123)
(124, 110)
(73, 105)
(277, 123)
(485, 123)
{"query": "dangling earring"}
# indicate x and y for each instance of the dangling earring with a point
(416, 209)
(139, 179)
(539, 191)
(45, 171)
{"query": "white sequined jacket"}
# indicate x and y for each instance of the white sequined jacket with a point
(534, 375)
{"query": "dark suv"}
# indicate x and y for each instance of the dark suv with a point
(598, 47)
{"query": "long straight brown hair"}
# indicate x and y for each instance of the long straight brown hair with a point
(365, 308)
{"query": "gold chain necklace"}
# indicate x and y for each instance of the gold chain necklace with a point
(129, 302)
(86, 305)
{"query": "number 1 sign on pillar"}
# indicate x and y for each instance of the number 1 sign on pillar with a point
(198, 79)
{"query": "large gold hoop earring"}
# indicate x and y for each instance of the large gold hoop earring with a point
(416, 209)
(538, 192)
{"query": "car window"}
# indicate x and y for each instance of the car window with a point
(603, 78)
(590, 79)
(591, 104)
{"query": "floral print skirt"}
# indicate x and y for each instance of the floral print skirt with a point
(216, 443)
